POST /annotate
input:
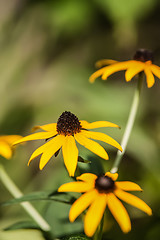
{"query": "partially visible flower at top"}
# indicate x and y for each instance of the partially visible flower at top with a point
(142, 61)
(6, 147)
(64, 133)
(100, 191)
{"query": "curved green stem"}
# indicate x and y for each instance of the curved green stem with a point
(129, 125)
(13, 189)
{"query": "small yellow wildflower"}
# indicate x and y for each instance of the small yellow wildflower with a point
(6, 148)
(100, 191)
(64, 133)
(142, 62)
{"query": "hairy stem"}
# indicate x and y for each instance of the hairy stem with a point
(129, 126)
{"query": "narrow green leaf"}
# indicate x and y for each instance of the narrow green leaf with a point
(22, 225)
(29, 225)
(38, 196)
(76, 237)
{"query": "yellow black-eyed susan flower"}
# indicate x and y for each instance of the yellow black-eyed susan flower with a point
(6, 148)
(63, 134)
(142, 61)
(99, 192)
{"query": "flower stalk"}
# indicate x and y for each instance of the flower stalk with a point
(130, 123)
(14, 190)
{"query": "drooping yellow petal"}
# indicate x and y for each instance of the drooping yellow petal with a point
(88, 177)
(104, 62)
(81, 204)
(107, 71)
(10, 139)
(96, 75)
(91, 145)
(75, 187)
(57, 143)
(128, 186)
(5, 150)
(70, 154)
(131, 72)
(35, 136)
(95, 214)
(52, 127)
(149, 77)
(156, 70)
(119, 213)
(41, 149)
(97, 124)
(102, 137)
(114, 176)
(133, 200)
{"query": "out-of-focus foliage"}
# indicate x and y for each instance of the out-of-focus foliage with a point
(124, 10)
(125, 15)
(47, 53)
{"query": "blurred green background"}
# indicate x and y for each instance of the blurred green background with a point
(47, 53)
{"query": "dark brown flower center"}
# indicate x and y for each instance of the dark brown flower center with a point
(68, 124)
(104, 184)
(143, 55)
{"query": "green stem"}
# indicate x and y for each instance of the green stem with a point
(99, 232)
(129, 125)
(13, 189)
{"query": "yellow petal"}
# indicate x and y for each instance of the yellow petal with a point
(88, 177)
(149, 63)
(5, 150)
(52, 127)
(134, 201)
(104, 62)
(10, 139)
(102, 137)
(35, 136)
(96, 75)
(75, 187)
(83, 123)
(97, 124)
(41, 149)
(156, 70)
(95, 214)
(57, 142)
(70, 154)
(119, 213)
(91, 145)
(114, 176)
(128, 186)
(149, 77)
(81, 204)
(116, 67)
(131, 72)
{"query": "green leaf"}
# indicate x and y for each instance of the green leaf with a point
(37, 196)
(22, 225)
(28, 225)
(20, 234)
(76, 237)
